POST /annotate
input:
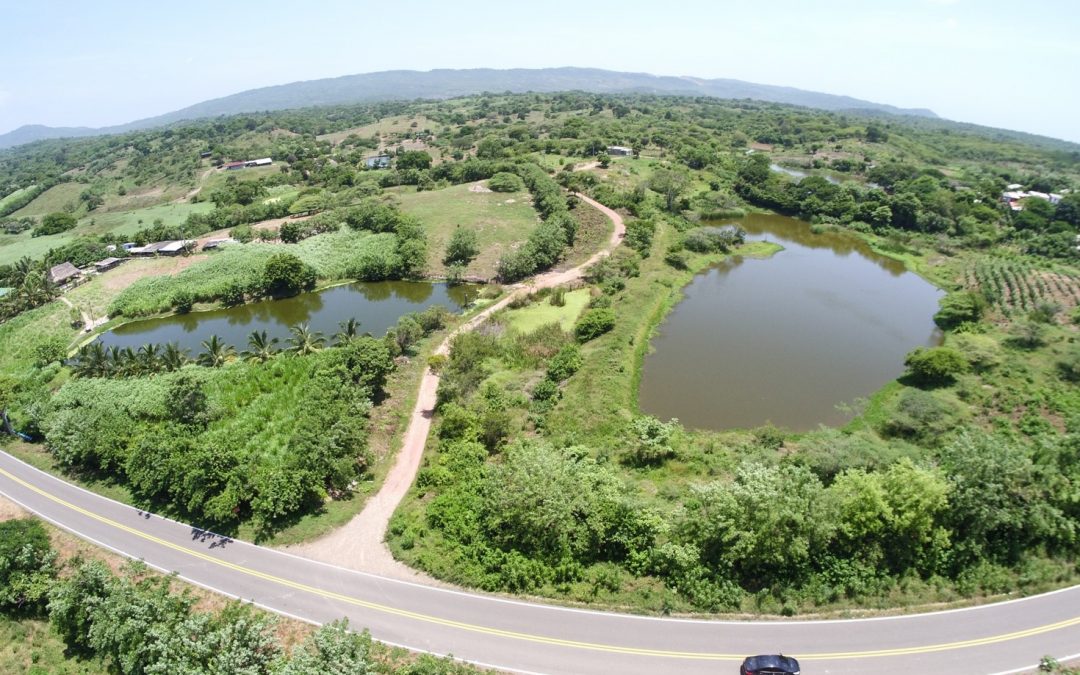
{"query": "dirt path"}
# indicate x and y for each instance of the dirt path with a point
(198, 186)
(88, 323)
(359, 544)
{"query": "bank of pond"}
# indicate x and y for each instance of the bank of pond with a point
(787, 340)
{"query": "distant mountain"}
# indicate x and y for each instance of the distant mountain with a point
(413, 84)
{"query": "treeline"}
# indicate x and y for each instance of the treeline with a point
(547, 242)
(136, 622)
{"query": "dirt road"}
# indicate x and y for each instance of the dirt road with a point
(359, 544)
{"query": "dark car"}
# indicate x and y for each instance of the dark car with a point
(769, 664)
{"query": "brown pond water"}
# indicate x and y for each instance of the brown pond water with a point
(786, 340)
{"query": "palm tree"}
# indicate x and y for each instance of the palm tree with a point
(91, 361)
(114, 364)
(129, 364)
(216, 352)
(262, 348)
(304, 341)
(349, 330)
(149, 358)
(173, 358)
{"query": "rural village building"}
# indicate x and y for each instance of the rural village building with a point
(1013, 194)
(107, 264)
(377, 162)
(620, 150)
(63, 273)
(233, 166)
(161, 247)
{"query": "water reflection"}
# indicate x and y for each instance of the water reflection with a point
(785, 340)
(377, 305)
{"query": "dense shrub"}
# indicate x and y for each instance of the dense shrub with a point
(284, 274)
(55, 223)
(27, 566)
(594, 323)
(936, 365)
(504, 181)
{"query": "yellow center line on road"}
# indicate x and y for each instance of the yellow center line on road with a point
(539, 639)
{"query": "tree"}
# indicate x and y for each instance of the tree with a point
(291, 232)
(304, 341)
(333, 650)
(27, 566)
(216, 353)
(173, 358)
(594, 323)
(186, 402)
(670, 185)
(935, 365)
(462, 247)
(183, 301)
(504, 181)
(55, 223)
(957, 308)
(261, 347)
(414, 159)
(51, 350)
(349, 329)
(285, 274)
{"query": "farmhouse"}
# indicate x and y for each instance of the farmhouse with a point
(620, 150)
(1014, 194)
(233, 166)
(106, 264)
(161, 247)
(265, 161)
(63, 273)
(204, 154)
(377, 162)
(215, 243)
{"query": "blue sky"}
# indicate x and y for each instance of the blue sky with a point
(1006, 64)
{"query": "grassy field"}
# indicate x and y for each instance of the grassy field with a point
(542, 312)
(12, 196)
(128, 222)
(218, 177)
(124, 223)
(390, 125)
(501, 221)
(56, 198)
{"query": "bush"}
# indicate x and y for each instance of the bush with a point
(462, 247)
(183, 301)
(242, 234)
(565, 363)
(920, 416)
(936, 365)
(594, 323)
(504, 181)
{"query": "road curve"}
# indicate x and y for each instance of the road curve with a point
(359, 544)
(537, 638)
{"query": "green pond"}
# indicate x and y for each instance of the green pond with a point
(791, 340)
(376, 305)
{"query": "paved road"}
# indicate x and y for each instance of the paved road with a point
(542, 639)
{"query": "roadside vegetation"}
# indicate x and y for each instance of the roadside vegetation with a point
(68, 608)
(954, 482)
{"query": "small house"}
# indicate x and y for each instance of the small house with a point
(377, 162)
(234, 166)
(106, 264)
(173, 247)
(204, 154)
(216, 243)
(619, 151)
(63, 273)
(265, 161)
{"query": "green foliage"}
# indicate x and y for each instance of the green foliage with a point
(653, 440)
(936, 365)
(920, 416)
(504, 181)
(958, 308)
(332, 650)
(55, 223)
(462, 247)
(185, 401)
(594, 323)
(52, 350)
(285, 274)
(27, 566)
